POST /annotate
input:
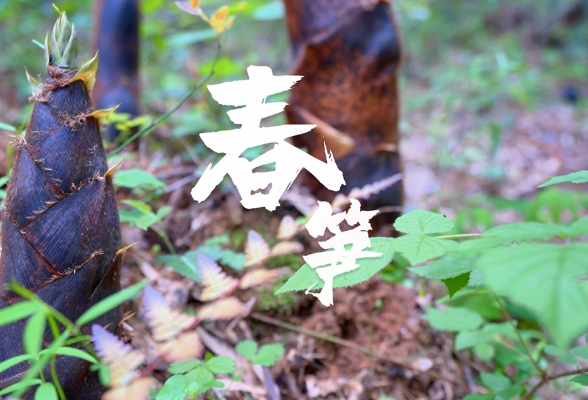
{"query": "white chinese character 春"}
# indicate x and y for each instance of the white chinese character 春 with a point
(288, 159)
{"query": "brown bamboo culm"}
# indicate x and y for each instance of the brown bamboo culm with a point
(349, 52)
(60, 228)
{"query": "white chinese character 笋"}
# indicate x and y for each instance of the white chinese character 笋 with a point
(340, 260)
(288, 159)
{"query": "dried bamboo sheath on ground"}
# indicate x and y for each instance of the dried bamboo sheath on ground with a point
(349, 53)
(60, 228)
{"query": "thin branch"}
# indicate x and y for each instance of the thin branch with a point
(549, 378)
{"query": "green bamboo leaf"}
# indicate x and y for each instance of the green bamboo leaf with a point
(542, 278)
(574, 177)
(33, 332)
(111, 302)
(46, 391)
(20, 385)
(418, 248)
(18, 311)
(423, 222)
(11, 362)
(306, 276)
(7, 127)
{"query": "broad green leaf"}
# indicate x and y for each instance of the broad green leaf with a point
(574, 177)
(581, 379)
(268, 354)
(468, 339)
(453, 319)
(456, 283)
(247, 348)
(542, 277)
(446, 267)
(519, 231)
(579, 227)
(46, 391)
(221, 365)
(476, 278)
(306, 276)
(134, 178)
(495, 382)
(18, 311)
(102, 307)
(423, 222)
(476, 396)
(11, 362)
(477, 245)
(184, 366)
(418, 248)
(175, 388)
(510, 392)
(485, 352)
(33, 332)
(580, 351)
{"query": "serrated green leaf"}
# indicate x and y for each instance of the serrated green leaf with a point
(579, 228)
(46, 391)
(110, 303)
(476, 278)
(423, 222)
(18, 311)
(175, 388)
(306, 276)
(446, 267)
(200, 375)
(247, 348)
(221, 365)
(453, 319)
(574, 177)
(134, 178)
(581, 379)
(33, 332)
(542, 277)
(269, 354)
(519, 231)
(456, 283)
(495, 382)
(477, 245)
(418, 248)
(183, 366)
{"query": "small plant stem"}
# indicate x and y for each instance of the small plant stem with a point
(166, 239)
(460, 236)
(56, 382)
(547, 378)
(346, 343)
(518, 332)
(165, 116)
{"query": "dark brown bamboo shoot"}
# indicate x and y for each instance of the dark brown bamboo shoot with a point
(60, 228)
(349, 53)
(116, 38)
